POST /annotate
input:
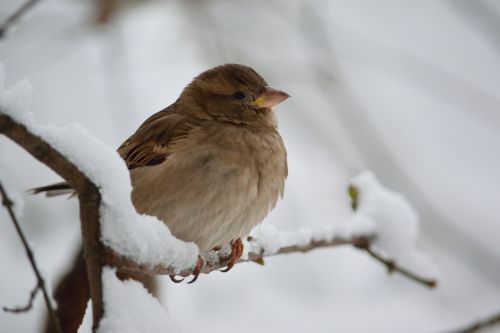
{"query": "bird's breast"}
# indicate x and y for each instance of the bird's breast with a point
(216, 185)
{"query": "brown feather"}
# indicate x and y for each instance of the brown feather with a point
(149, 145)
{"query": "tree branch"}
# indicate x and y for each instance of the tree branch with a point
(16, 16)
(216, 260)
(8, 203)
(88, 195)
(213, 260)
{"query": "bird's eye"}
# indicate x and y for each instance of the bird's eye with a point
(239, 94)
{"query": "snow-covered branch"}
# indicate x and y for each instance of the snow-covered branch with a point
(216, 260)
(383, 222)
(88, 195)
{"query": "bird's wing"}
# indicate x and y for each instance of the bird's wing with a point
(149, 145)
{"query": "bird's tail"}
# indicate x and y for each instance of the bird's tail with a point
(53, 190)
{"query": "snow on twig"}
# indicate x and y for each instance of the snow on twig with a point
(215, 260)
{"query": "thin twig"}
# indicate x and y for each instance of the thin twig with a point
(8, 203)
(16, 16)
(392, 266)
(479, 325)
(28, 306)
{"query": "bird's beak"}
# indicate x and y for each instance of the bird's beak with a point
(269, 97)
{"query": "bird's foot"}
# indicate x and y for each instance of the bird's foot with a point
(236, 252)
(197, 269)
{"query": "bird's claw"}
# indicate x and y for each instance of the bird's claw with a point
(196, 272)
(174, 280)
(197, 269)
(236, 252)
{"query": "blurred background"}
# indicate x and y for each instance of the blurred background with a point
(409, 90)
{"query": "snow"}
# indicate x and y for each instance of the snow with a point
(381, 212)
(269, 239)
(395, 221)
(140, 237)
(129, 308)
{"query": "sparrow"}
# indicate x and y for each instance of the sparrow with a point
(212, 165)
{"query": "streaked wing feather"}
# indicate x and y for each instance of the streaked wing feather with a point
(149, 145)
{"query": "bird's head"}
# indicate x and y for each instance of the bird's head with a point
(232, 93)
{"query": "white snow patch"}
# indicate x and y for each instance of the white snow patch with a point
(140, 237)
(128, 307)
(246, 249)
(396, 222)
(381, 212)
(269, 239)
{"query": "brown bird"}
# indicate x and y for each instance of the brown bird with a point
(211, 165)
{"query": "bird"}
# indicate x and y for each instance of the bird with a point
(213, 164)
